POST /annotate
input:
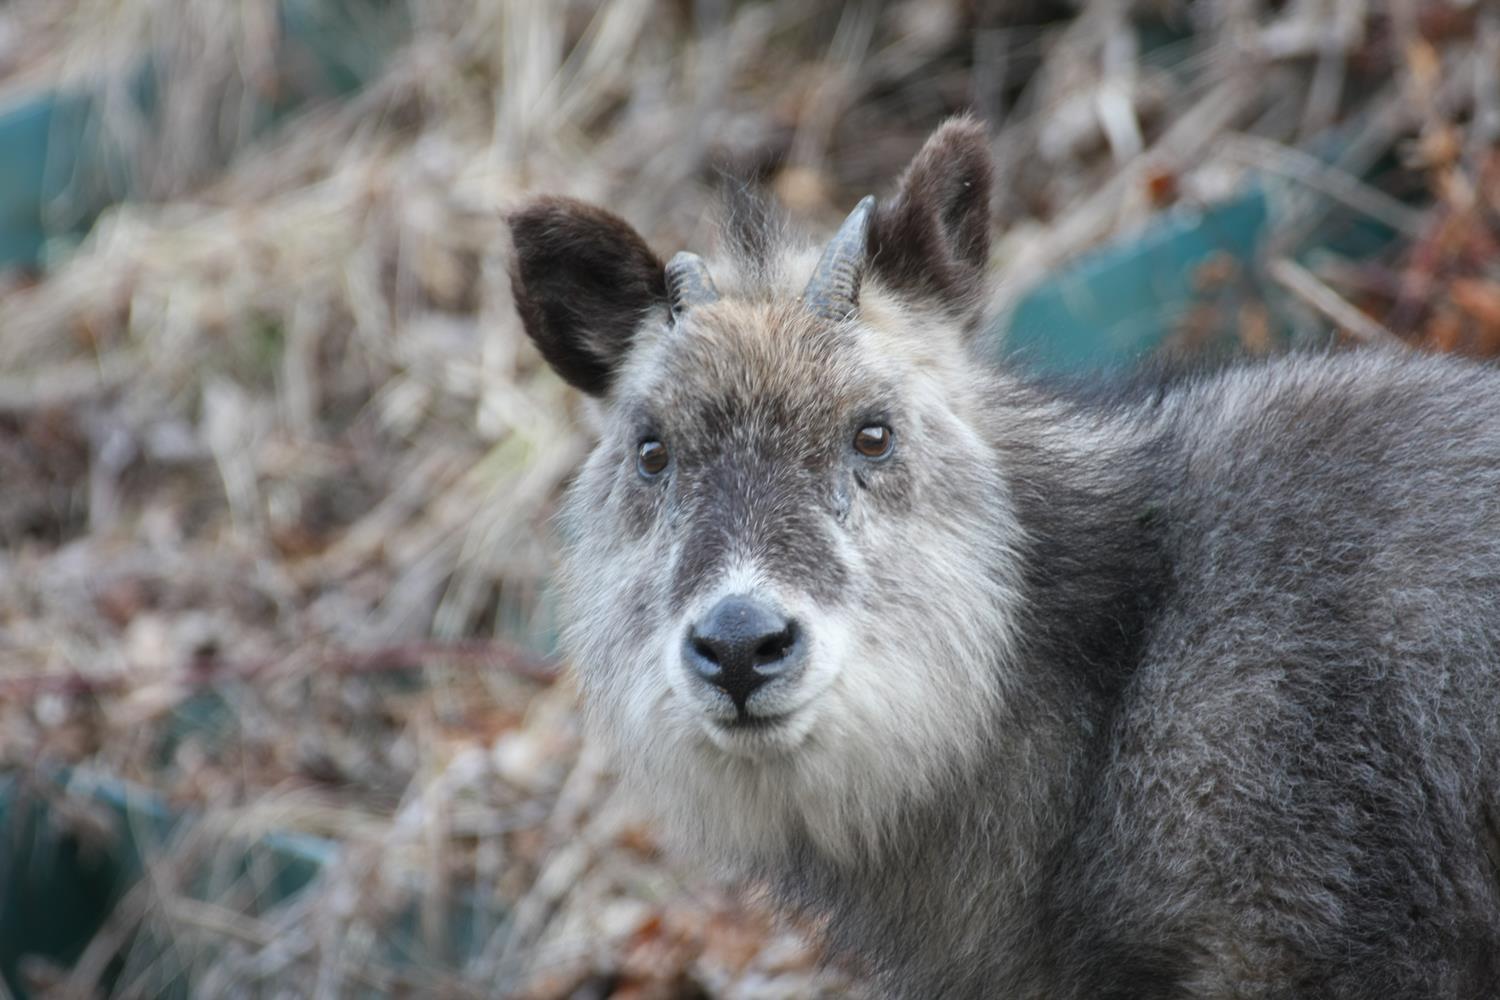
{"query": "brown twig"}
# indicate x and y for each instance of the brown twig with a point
(206, 671)
(1306, 286)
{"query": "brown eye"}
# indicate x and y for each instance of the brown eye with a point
(874, 441)
(651, 458)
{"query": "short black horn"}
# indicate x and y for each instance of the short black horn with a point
(833, 290)
(688, 282)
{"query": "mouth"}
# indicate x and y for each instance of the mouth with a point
(758, 736)
(747, 723)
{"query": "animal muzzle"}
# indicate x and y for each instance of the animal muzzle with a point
(743, 644)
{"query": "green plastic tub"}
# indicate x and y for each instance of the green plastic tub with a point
(50, 153)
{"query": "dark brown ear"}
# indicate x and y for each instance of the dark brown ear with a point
(583, 280)
(932, 240)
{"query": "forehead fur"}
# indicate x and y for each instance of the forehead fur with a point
(758, 352)
(759, 344)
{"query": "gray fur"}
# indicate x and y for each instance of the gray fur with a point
(1192, 690)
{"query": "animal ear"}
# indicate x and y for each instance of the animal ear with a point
(932, 240)
(583, 280)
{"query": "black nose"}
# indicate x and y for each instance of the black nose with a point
(741, 644)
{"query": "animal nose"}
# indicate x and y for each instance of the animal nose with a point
(741, 644)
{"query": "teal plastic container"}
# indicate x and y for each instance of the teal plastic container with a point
(52, 163)
(1120, 303)
(60, 879)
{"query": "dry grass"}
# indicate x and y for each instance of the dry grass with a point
(272, 439)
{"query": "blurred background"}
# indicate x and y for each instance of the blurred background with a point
(280, 708)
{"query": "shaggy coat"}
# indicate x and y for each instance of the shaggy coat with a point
(1188, 688)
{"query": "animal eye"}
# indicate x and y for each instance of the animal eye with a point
(651, 458)
(874, 441)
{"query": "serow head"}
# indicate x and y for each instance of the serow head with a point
(777, 555)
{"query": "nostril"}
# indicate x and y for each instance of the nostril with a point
(705, 650)
(777, 646)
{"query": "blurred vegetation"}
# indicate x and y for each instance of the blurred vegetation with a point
(277, 463)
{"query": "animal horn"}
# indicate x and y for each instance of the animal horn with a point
(833, 290)
(688, 282)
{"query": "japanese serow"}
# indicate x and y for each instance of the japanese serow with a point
(1185, 688)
